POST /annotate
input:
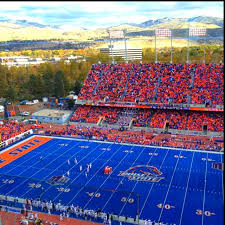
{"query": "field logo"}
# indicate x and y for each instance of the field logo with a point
(58, 180)
(142, 173)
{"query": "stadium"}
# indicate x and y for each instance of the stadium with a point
(143, 145)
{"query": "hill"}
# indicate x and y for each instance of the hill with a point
(23, 30)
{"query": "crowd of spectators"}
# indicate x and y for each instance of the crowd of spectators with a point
(112, 83)
(137, 137)
(174, 84)
(175, 119)
(208, 84)
(155, 83)
(108, 134)
(10, 129)
(141, 83)
(91, 114)
(90, 83)
(213, 120)
(143, 117)
(154, 118)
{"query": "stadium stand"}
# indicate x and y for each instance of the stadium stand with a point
(151, 118)
(145, 83)
(160, 83)
(208, 84)
(214, 121)
(11, 129)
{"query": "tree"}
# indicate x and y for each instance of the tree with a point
(39, 87)
(11, 93)
(59, 84)
(48, 84)
(77, 87)
(3, 80)
(32, 85)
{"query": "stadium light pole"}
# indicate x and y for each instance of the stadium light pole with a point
(112, 52)
(155, 49)
(110, 46)
(171, 60)
(204, 49)
(188, 46)
(124, 35)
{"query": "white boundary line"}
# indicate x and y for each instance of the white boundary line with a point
(146, 146)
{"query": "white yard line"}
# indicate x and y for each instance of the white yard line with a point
(222, 178)
(122, 180)
(23, 163)
(171, 180)
(189, 175)
(83, 169)
(152, 185)
(203, 207)
(134, 186)
(38, 170)
(52, 171)
(92, 178)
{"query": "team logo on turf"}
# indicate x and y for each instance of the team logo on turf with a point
(142, 173)
(58, 180)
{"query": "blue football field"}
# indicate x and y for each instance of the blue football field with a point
(171, 185)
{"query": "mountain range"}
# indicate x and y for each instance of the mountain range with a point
(23, 30)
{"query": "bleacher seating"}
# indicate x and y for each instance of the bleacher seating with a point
(155, 118)
(176, 119)
(214, 121)
(10, 129)
(160, 83)
(174, 84)
(208, 85)
(89, 114)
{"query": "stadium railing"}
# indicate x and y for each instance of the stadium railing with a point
(149, 105)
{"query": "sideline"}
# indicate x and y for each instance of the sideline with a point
(147, 146)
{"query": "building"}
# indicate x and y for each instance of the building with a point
(20, 61)
(52, 116)
(27, 61)
(132, 53)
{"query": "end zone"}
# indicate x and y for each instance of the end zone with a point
(21, 149)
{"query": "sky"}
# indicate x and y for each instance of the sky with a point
(95, 14)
